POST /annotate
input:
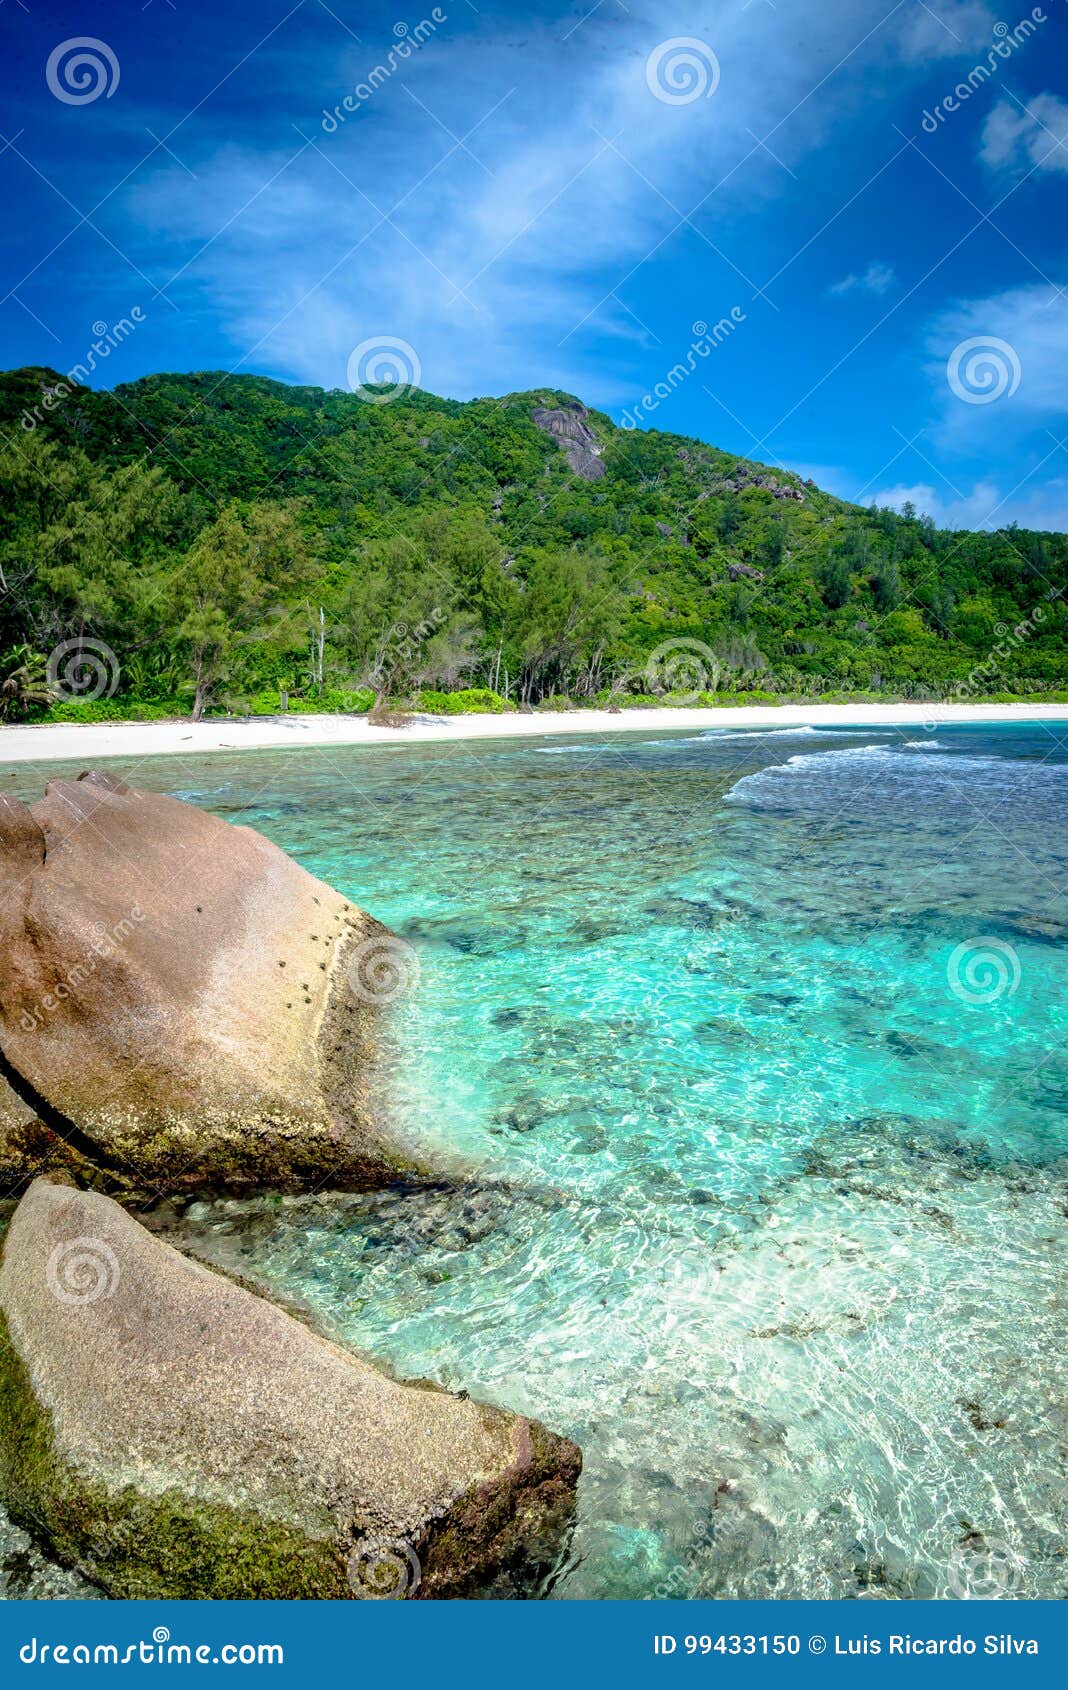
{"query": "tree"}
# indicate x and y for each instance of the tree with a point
(452, 540)
(232, 579)
(400, 602)
(568, 617)
(887, 586)
(836, 581)
(80, 548)
(729, 518)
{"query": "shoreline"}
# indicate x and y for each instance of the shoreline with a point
(67, 742)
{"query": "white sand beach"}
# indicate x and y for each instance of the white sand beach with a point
(92, 742)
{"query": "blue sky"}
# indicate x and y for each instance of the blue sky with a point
(557, 199)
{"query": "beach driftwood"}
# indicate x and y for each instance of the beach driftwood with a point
(174, 1435)
(181, 1005)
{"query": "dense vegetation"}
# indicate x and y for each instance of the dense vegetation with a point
(233, 541)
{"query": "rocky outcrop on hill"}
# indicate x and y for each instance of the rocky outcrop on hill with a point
(747, 475)
(174, 1435)
(568, 424)
(181, 1005)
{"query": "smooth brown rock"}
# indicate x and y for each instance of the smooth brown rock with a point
(175, 1435)
(181, 1004)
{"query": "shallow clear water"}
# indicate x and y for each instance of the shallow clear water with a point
(749, 1053)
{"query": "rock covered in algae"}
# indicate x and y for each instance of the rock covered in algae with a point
(172, 1434)
(180, 1003)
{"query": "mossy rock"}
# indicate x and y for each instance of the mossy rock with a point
(140, 1546)
(171, 1433)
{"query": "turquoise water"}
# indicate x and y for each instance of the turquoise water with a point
(745, 1054)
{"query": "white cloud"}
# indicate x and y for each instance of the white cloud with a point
(1022, 138)
(877, 279)
(501, 268)
(1012, 344)
(829, 478)
(986, 506)
(945, 28)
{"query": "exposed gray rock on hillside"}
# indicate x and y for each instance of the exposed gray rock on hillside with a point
(569, 426)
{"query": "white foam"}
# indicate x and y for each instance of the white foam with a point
(770, 779)
(807, 758)
(955, 769)
(715, 736)
(760, 733)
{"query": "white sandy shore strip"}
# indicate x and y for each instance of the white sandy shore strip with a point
(90, 742)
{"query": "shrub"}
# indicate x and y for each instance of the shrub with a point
(468, 701)
(332, 701)
(115, 710)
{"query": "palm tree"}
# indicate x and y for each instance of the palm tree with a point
(24, 684)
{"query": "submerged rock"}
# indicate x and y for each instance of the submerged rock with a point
(172, 1434)
(180, 1003)
(13, 1112)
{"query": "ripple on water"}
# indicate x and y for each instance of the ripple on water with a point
(829, 1394)
(748, 1199)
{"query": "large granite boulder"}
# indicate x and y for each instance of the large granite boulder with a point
(174, 1435)
(182, 1005)
(569, 426)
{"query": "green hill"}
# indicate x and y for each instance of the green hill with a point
(227, 537)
